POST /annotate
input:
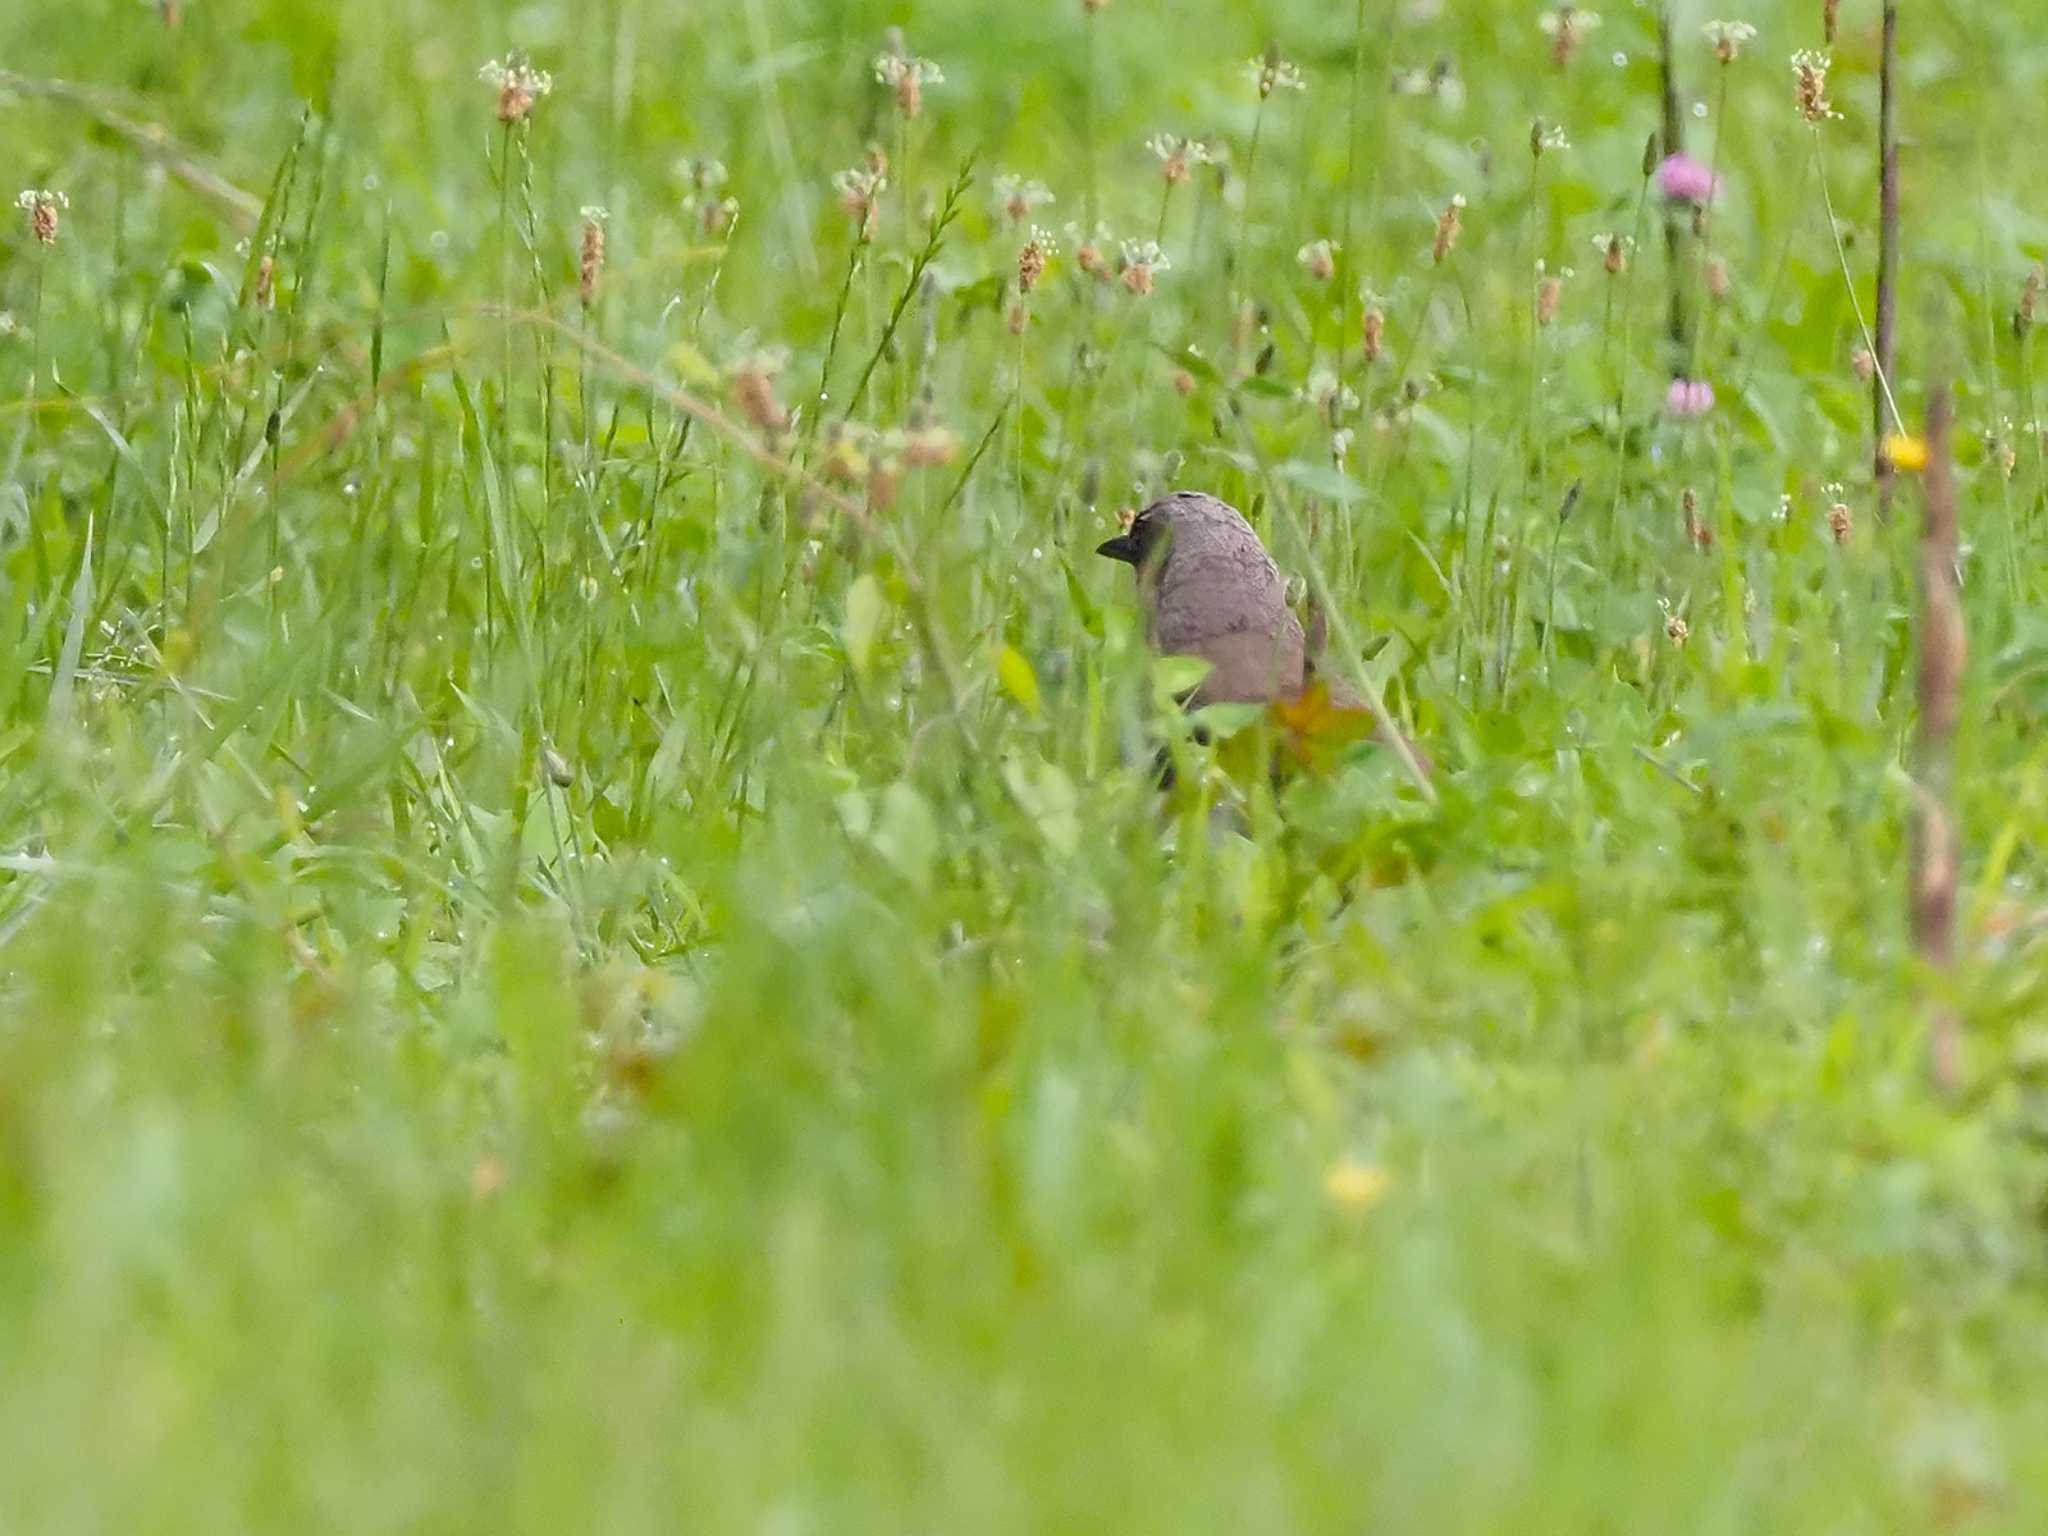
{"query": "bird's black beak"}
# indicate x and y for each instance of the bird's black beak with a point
(1123, 547)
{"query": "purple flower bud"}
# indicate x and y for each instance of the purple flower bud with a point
(1689, 399)
(1685, 180)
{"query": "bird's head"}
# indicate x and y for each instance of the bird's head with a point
(1144, 542)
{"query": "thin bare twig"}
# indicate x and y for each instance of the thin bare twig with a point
(1887, 247)
(1674, 218)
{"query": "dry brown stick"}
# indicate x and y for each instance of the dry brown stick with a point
(1887, 249)
(152, 140)
(1674, 220)
(1943, 648)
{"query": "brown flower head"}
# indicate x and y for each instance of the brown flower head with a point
(1699, 532)
(1374, 327)
(1841, 521)
(1270, 73)
(929, 447)
(753, 389)
(1179, 156)
(860, 197)
(704, 177)
(44, 209)
(1031, 261)
(519, 85)
(1566, 27)
(1676, 630)
(907, 77)
(1449, 224)
(1810, 86)
(1091, 252)
(1018, 198)
(1728, 38)
(590, 255)
(1138, 263)
(1613, 251)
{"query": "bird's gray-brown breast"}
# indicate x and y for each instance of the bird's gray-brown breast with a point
(1218, 595)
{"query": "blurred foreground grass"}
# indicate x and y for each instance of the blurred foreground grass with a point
(556, 977)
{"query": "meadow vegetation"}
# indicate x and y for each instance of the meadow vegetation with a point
(588, 936)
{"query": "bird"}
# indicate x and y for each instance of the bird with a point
(1210, 590)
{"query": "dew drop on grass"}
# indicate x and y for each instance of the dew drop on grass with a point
(1620, 59)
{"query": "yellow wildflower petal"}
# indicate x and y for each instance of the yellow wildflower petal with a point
(1906, 452)
(1356, 1186)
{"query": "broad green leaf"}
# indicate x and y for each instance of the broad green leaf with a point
(1323, 480)
(906, 835)
(866, 612)
(1176, 676)
(1019, 680)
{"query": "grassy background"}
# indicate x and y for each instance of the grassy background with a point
(551, 980)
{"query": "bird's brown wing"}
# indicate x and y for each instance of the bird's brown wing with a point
(1248, 666)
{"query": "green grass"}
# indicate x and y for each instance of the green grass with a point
(566, 965)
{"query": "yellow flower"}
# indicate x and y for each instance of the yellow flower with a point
(1906, 452)
(1356, 1186)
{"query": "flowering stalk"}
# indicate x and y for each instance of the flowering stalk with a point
(1038, 250)
(2023, 322)
(589, 282)
(1244, 214)
(906, 78)
(45, 216)
(1268, 73)
(1627, 277)
(860, 192)
(520, 88)
(504, 169)
(1178, 158)
(1890, 404)
(1542, 137)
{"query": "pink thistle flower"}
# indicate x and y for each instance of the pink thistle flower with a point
(1685, 180)
(1689, 399)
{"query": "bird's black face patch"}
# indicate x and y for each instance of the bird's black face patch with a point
(1138, 546)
